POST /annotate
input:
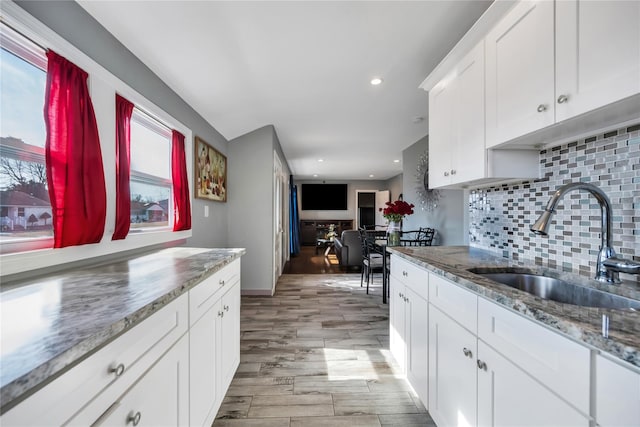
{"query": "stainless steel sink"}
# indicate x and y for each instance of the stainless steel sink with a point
(557, 290)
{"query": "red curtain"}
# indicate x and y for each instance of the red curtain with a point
(73, 158)
(124, 109)
(182, 207)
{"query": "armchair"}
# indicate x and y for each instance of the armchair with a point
(348, 248)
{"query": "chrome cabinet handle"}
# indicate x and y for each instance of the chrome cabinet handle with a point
(482, 365)
(221, 282)
(453, 171)
(221, 313)
(562, 99)
(226, 308)
(118, 370)
(134, 418)
(542, 108)
(405, 274)
(467, 352)
(446, 174)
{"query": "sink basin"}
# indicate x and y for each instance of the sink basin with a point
(560, 291)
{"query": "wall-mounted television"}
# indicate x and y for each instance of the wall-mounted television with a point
(324, 197)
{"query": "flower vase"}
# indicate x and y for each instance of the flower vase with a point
(393, 233)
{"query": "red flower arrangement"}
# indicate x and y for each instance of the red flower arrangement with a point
(395, 211)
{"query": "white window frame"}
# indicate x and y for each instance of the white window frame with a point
(103, 87)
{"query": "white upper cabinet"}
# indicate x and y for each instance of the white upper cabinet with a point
(552, 61)
(597, 54)
(456, 127)
(520, 72)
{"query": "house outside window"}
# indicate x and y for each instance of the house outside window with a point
(24, 195)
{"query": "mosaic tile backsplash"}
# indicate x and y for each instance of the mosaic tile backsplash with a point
(500, 217)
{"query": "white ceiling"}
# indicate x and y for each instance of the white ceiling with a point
(303, 66)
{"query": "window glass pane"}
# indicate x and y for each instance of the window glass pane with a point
(150, 186)
(25, 210)
(150, 205)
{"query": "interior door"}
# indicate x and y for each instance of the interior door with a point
(382, 197)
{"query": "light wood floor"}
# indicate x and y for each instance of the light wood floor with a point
(317, 354)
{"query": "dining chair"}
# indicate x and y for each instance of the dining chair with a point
(371, 260)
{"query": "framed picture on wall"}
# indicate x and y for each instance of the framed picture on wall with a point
(211, 172)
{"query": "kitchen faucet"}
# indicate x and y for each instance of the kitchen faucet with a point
(609, 264)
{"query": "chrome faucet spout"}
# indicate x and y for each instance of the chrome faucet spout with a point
(606, 271)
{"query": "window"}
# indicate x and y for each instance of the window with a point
(151, 184)
(24, 196)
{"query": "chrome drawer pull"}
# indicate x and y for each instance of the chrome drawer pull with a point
(118, 370)
(134, 418)
(467, 352)
(482, 365)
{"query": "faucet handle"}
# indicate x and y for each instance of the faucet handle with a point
(622, 265)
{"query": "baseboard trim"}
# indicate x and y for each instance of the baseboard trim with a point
(256, 292)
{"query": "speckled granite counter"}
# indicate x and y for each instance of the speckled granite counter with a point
(50, 323)
(583, 324)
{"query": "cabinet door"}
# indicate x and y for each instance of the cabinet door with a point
(452, 371)
(597, 54)
(469, 162)
(507, 396)
(617, 394)
(205, 396)
(520, 72)
(160, 397)
(229, 344)
(417, 333)
(397, 343)
(441, 100)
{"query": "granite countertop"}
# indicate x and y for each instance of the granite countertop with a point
(582, 324)
(50, 323)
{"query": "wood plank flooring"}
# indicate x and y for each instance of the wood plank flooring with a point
(317, 354)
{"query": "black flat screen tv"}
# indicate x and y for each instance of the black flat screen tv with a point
(324, 197)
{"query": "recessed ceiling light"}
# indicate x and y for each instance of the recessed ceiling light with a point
(396, 161)
(321, 160)
(315, 175)
(371, 176)
(376, 81)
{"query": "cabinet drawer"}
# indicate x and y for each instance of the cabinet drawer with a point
(202, 296)
(617, 394)
(88, 383)
(457, 302)
(554, 360)
(415, 277)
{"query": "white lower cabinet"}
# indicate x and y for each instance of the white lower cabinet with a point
(172, 369)
(214, 349)
(491, 367)
(452, 371)
(408, 333)
(159, 398)
(617, 394)
(508, 396)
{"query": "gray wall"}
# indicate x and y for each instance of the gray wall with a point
(449, 218)
(395, 187)
(79, 28)
(250, 201)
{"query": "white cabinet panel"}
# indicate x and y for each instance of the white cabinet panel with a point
(203, 364)
(597, 54)
(452, 371)
(520, 72)
(559, 363)
(159, 398)
(507, 397)
(457, 302)
(417, 332)
(229, 342)
(456, 124)
(617, 394)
